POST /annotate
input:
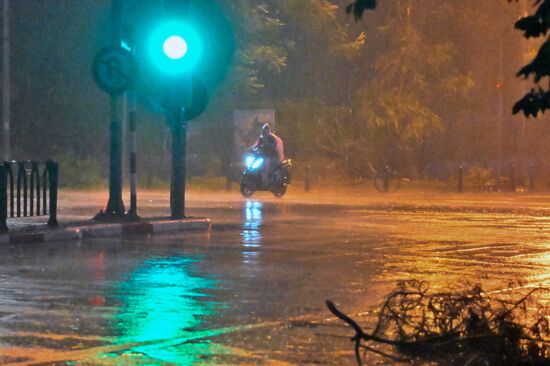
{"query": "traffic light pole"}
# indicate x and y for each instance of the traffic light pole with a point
(179, 141)
(179, 96)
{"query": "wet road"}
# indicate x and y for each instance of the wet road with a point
(252, 290)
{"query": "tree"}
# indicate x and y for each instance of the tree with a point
(404, 98)
(536, 25)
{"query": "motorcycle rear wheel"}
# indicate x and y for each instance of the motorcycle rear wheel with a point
(279, 191)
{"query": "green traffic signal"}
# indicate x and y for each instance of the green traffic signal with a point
(175, 48)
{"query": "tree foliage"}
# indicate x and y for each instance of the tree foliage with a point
(536, 25)
(533, 26)
(359, 7)
(256, 29)
(395, 109)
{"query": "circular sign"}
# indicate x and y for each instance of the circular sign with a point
(114, 70)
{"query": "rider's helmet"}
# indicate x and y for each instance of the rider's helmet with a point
(266, 130)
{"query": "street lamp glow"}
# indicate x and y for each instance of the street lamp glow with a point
(175, 47)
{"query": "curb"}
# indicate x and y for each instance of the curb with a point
(107, 230)
(101, 230)
(63, 234)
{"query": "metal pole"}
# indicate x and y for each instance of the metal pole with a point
(226, 160)
(460, 187)
(179, 137)
(500, 112)
(130, 113)
(3, 198)
(53, 173)
(513, 178)
(5, 82)
(115, 205)
(124, 135)
(133, 154)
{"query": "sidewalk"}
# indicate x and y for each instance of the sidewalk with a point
(35, 230)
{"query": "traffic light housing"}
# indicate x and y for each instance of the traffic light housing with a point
(175, 48)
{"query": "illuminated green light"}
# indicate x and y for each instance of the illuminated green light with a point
(162, 307)
(175, 47)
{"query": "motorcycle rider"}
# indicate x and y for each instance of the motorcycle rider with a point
(271, 147)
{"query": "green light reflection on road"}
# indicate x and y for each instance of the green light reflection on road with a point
(162, 305)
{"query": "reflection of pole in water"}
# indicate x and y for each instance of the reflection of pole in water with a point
(251, 235)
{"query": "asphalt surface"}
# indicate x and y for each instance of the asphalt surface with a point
(252, 290)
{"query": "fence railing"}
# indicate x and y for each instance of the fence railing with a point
(27, 190)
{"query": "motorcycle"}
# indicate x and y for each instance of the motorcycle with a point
(254, 177)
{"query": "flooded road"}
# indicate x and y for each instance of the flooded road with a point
(252, 290)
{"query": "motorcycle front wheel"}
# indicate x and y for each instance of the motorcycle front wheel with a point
(247, 186)
(246, 190)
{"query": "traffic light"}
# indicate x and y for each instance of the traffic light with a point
(175, 48)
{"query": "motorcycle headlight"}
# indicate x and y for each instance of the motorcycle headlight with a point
(257, 163)
(248, 161)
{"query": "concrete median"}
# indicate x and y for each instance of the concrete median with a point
(90, 229)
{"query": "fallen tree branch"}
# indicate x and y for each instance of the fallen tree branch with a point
(467, 326)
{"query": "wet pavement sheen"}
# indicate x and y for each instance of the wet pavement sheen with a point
(252, 290)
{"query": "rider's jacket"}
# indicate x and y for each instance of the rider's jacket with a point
(272, 147)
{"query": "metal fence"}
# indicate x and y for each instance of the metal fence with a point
(27, 190)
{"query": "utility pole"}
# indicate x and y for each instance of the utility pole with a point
(5, 81)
